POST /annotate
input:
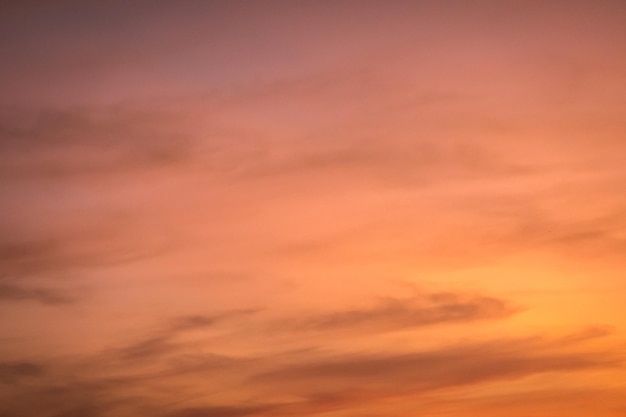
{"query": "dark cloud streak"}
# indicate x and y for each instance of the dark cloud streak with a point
(15, 293)
(163, 342)
(406, 313)
(380, 376)
(224, 411)
(75, 143)
(13, 372)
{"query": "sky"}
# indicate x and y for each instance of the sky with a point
(313, 208)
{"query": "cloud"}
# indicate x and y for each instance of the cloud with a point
(582, 400)
(147, 348)
(48, 144)
(361, 149)
(405, 313)
(294, 384)
(242, 139)
(84, 411)
(223, 411)
(164, 340)
(384, 375)
(10, 292)
(432, 370)
(546, 221)
(589, 333)
(201, 321)
(13, 372)
(58, 395)
(24, 257)
(107, 242)
(390, 314)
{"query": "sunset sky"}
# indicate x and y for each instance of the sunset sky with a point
(325, 208)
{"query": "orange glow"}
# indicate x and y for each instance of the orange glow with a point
(338, 209)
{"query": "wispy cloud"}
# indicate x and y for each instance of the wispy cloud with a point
(344, 381)
(225, 411)
(164, 341)
(153, 154)
(105, 241)
(13, 293)
(12, 372)
(406, 313)
(295, 383)
(76, 143)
